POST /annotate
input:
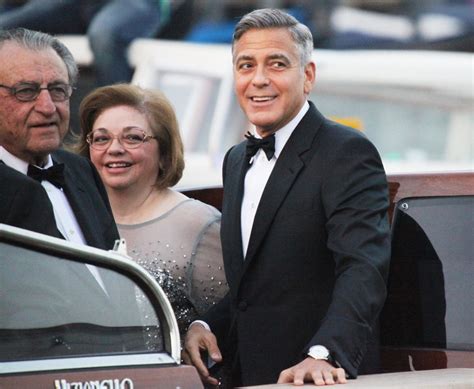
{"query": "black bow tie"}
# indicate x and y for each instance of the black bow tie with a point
(267, 144)
(54, 174)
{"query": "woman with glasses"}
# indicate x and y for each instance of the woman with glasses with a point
(132, 137)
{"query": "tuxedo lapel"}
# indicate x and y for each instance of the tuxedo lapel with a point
(24, 203)
(81, 204)
(278, 185)
(233, 193)
(287, 168)
(75, 189)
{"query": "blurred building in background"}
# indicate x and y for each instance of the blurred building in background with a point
(353, 24)
(336, 24)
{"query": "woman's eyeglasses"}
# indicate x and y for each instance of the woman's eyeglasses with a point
(130, 138)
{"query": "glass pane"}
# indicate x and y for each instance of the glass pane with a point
(52, 307)
(430, 285)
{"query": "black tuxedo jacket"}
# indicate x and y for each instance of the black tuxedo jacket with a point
(88, 198)
(24, 203)
(317, 260)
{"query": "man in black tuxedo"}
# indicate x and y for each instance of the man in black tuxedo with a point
(304, 228)
(37, 74)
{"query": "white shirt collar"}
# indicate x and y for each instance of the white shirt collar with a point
(18, 164)
(283, 134)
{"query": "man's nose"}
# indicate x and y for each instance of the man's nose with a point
(260, 77)
(44, 103)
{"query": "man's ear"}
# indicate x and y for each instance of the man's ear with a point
(310, 77)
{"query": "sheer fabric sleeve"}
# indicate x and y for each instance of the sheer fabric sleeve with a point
(207, 280)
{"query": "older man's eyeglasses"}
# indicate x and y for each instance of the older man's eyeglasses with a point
(29, 91)
(130, 138)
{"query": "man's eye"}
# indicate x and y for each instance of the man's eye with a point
(245, 66)
(278, 65)
(57, 90)
(26, 91)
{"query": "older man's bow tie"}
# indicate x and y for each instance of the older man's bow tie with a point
(54, 174)
(267, 144)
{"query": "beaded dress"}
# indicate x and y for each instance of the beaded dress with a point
(182, 250)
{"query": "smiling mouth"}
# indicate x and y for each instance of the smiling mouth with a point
(262, 99)
(118, 164)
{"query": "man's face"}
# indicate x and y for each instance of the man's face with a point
(270, 83)
(31, 130)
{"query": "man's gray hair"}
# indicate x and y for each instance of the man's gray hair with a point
(35, 40)
(275, 18)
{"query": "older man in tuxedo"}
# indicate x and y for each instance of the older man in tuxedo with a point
(37, 74)
(304, 225)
